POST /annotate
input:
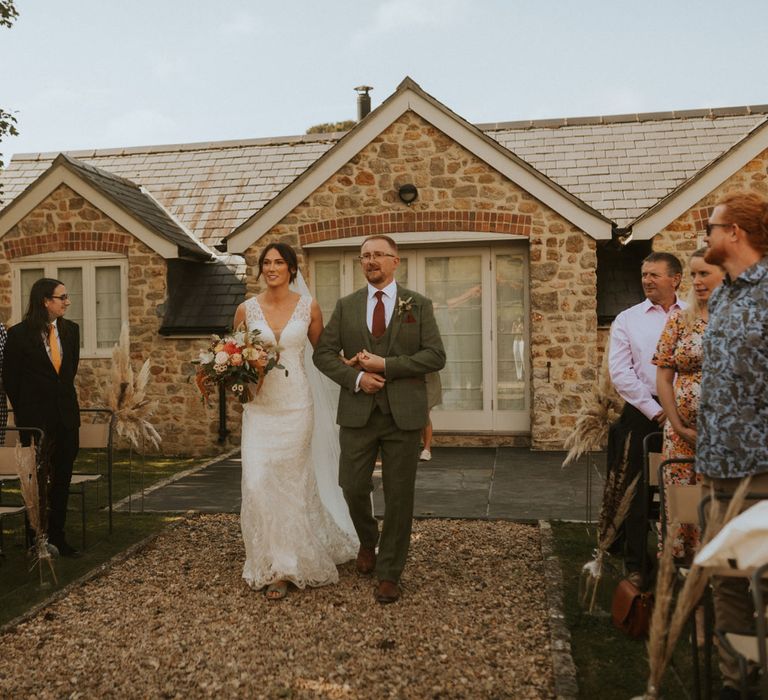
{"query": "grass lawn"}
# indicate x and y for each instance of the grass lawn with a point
(20, 588)
(609, 665)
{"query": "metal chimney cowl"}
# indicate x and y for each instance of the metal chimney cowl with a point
(363, 101)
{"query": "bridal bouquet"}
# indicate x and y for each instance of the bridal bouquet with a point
(236, 361)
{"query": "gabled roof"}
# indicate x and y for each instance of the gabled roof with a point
(623, 165)
(702, 183)
(410, 97)
(210, 187)
(156, 227)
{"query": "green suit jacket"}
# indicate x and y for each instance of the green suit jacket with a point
(415, 349)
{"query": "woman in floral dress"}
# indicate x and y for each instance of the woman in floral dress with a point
(678, 380)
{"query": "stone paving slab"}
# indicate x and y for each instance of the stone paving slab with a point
(504, 483)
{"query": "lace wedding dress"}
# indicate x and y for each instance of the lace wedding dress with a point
(289, 533)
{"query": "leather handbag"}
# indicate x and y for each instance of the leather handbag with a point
(631, 609)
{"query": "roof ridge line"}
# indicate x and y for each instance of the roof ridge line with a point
(555, 123)
(181, 147)
(598, 120)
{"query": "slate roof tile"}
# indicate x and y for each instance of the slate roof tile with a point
(607, 161)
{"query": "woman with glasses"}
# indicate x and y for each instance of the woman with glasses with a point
(678, 360)
(41, 359)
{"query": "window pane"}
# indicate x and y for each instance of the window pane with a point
(327, 285)
(28, 278)
(511, 343)
(401, 274)
(72, 277)
(108, 306)
(455, 286)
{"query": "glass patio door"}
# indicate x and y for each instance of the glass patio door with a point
(453, 280)
(480, 300)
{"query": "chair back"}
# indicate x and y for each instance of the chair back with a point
(683, 503)
(652, 458)
(8, 451)
(94, 435)
(8, 466)
(654, 462)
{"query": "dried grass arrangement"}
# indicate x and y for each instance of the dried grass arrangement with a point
(35, 503)
(617, 498)
(590, 433)
(668, 622)
(658, 639)
(127, 397)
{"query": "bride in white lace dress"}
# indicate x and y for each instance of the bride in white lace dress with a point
(288, 531)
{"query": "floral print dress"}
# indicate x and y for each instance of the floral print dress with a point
(680, 349)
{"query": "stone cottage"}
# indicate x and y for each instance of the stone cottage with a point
(527, 236)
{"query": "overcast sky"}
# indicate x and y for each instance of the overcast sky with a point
(107, 73)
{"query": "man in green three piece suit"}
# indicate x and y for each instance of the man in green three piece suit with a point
(390, 340)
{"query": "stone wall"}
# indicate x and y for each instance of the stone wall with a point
(457, 191)
(65, 221)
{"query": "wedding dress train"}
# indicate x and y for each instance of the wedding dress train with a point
(288, 531)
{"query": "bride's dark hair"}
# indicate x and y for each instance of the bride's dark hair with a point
(286, 253)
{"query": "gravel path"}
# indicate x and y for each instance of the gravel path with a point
(177, 621)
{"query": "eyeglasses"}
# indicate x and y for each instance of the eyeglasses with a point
(711, 226)
(63, 297)
(376, 255)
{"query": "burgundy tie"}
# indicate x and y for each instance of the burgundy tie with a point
(379, 324)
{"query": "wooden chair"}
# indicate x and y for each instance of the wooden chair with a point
(8, 471)
(679, 504)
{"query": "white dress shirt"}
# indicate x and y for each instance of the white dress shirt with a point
(388, 298)
(634, 336)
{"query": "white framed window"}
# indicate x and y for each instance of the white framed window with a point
(97, 285)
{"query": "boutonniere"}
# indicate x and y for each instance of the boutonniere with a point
(404, 306)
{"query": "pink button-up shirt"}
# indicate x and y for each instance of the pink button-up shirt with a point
(634, 336)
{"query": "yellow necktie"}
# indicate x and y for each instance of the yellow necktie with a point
(53, 343)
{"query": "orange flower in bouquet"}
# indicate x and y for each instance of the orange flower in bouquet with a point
(239, 361)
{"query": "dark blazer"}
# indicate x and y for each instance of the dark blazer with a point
(415, 349)
(40, 397)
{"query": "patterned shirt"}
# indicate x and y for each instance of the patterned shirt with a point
(733, 414)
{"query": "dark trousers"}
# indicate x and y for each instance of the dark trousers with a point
(635, 530)
(399, 457)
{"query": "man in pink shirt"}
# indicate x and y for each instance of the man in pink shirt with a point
(634, 335)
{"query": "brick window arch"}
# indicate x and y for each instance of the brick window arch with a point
(416, 221)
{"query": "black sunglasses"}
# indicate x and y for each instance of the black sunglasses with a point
(711, 226)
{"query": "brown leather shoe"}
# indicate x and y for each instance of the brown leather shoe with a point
(387, 592)
(366, 560)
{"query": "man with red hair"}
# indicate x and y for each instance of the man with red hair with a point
(732, 429)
